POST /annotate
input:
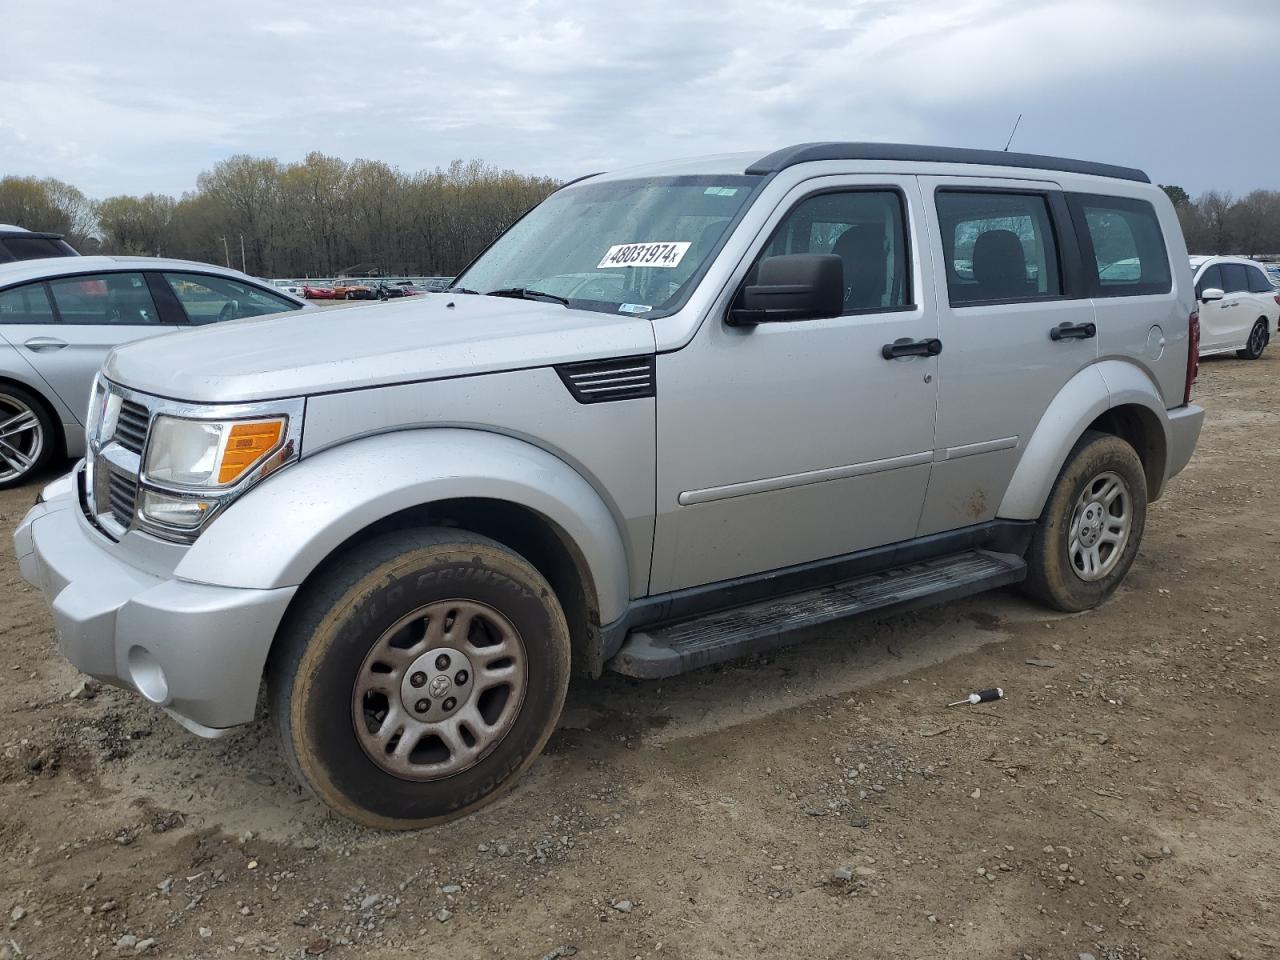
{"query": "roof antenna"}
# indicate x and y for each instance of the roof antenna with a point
(1012, 132)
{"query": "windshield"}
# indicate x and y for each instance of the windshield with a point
(622, 246)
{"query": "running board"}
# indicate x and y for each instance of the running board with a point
(674, 648)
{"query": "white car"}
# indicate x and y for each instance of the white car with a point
(1239, 308)
(61, 316)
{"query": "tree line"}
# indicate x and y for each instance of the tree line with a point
(1217, 222)
(317, 217)
(323, 215)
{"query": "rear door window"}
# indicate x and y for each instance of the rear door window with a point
(999, 247)
(1235, 279)
(1123, 244)
(26, 304)
(210, 299)
(119, 299)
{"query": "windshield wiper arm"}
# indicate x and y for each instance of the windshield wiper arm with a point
(525, 293)
(459, 290)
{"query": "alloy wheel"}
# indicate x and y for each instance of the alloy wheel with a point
(1257, 339)
(1100, 526)
(21, 438)
(439, 690)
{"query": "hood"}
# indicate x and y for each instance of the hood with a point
(422, 338)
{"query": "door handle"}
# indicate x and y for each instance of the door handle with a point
(1073, 331)
(39, 344)
(906, 347)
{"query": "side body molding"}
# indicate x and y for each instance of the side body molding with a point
(1086, 396)
(279, 532)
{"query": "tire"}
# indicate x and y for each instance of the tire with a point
(1258, 337)
(380, 625)
(1062, 572)
(27, 435)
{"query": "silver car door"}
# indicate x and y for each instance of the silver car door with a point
(1016, 329)
(790, 442)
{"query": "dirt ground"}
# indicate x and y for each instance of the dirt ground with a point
(1123, 802)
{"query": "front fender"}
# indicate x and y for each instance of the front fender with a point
(279, 532)
(1085, 397)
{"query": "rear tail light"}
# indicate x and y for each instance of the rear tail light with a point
(1278, 299)
(1193, 355)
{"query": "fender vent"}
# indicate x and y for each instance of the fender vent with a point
(596, 381)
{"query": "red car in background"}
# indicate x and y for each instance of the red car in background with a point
(318, 292)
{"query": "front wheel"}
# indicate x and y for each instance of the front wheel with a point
(419, 677)
(1088, 535)
(1257, 342)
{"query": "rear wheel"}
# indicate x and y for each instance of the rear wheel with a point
(1257, 342)
(1091, 527)
(420, 677)
(26, 436)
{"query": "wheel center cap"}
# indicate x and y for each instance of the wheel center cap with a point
(1091, 524)
(437, 684)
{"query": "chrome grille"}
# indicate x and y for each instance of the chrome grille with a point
(114, 460)
(131, 426)
(123, 496)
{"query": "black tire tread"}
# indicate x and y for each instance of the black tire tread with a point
(325, 592)
(1046, 580)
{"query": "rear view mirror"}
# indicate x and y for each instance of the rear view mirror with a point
(1212, 293)
(797, 286)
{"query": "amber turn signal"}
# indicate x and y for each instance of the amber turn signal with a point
(248, 443)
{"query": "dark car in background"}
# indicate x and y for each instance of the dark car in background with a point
(17, 243)
(395, 289)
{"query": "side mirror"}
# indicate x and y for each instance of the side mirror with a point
(797, 286)
(1210, 294)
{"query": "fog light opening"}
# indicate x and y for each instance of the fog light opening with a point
(148, 676)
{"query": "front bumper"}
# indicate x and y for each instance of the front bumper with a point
(194, 649)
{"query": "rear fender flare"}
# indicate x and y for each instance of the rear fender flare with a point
(1085, 397)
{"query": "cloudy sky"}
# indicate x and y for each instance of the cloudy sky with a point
(141, 96)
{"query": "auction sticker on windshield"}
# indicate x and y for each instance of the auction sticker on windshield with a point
(652, 254)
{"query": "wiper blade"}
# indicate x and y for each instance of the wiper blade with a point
(459, 290)
(525, 293)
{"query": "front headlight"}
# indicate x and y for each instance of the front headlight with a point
(199, 459)
(209, 453)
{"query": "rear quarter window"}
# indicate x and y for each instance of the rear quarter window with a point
(1258, 282)
(1124, 252)
(33, 248)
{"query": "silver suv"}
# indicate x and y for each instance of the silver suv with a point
(671, 416)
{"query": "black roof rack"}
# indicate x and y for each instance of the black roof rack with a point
(807, 152)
